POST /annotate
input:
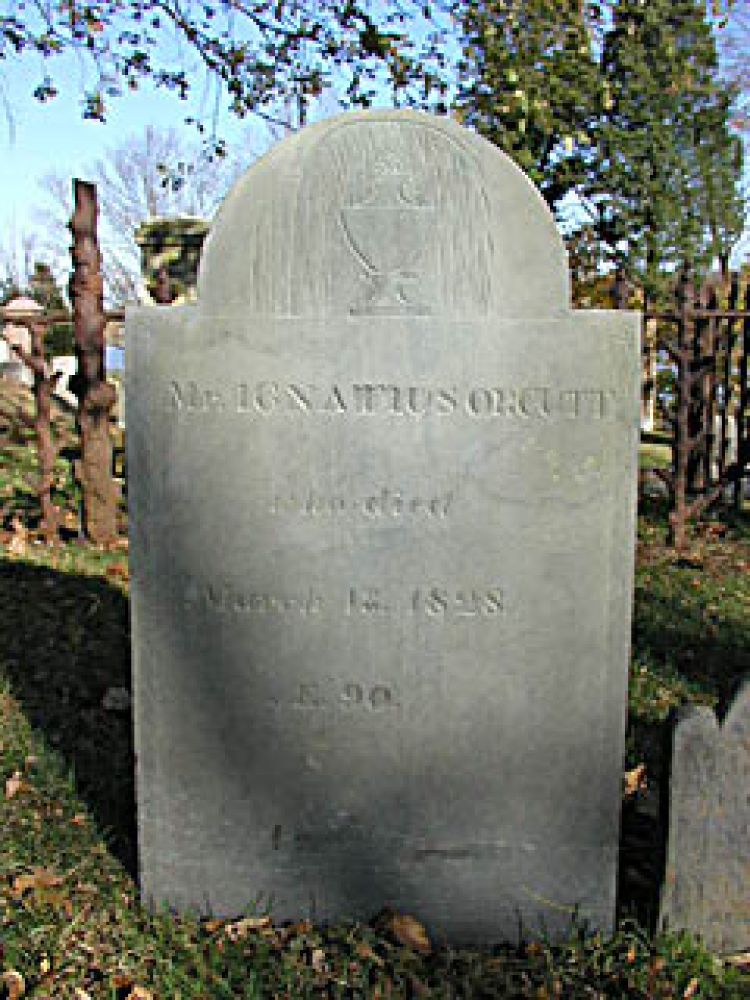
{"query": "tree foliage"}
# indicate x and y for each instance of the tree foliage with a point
(664, 182)
(262, 54)
(619, 114)
(531, 83)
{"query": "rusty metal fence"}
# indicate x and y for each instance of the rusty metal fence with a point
(696, 395)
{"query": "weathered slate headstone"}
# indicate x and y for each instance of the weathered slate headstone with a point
(382, 485)
(707, 882)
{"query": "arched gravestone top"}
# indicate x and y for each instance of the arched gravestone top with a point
(385, 213)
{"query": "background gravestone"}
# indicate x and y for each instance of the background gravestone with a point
(382, 488)
(707, 883)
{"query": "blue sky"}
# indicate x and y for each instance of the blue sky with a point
(36, 139)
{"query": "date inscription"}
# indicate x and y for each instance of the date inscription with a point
(432, 602)
(438, 603)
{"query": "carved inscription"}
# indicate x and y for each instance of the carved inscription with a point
(346, 695)
(432, 602)
(386, 503)
(226, 599)
(370, 399)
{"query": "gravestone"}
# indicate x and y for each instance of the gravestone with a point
(707, 882)
(382, 493)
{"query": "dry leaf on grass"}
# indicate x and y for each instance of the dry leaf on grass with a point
(318, 959)
(635, 781)
(365, 952)
(239, 929)
(139, 993)
(691, 989)
(40, 878)
(409, 932)
(19, 539)
(15, 784)
(14, 984)
(118, 572)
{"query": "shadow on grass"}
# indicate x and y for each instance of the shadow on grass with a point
(691, 641)
(65, 643)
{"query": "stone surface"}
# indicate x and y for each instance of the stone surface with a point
(707, 883)
(382, 486)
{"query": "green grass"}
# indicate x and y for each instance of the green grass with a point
(70, 916)
(654, 456)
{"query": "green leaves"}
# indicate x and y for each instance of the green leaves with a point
(626, 114)
(532, 84)
(262, 56)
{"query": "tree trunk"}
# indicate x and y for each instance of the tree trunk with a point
(44, 383)
(96, 397)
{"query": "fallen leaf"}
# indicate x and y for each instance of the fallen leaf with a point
(17, 544)
(140, 993)
(409, 932)
(118, 572)
(691, 989)
(286, 934)
(241, 928)
(15, 784)
(79, 994)
(365, 952)
(635, 781)
(318, 959)
(654, 972)
(40, 878)
(14, 984)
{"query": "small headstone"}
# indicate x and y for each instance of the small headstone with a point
(707, 882)
(17, 334)
(382, 499)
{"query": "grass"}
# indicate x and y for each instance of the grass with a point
(71, 922)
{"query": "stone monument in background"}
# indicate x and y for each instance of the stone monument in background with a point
(707, 882)
(382, 488)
